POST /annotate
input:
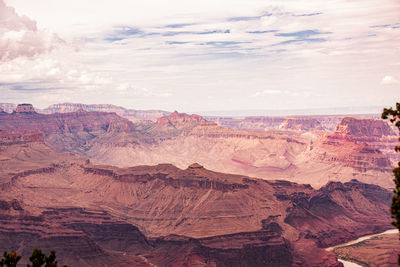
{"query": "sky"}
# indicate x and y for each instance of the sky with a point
(201, 55)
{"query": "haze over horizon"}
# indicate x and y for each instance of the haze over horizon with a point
(201, 56)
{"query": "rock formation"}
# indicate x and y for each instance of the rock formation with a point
(25, 108)
(66, 131)
(176, 118)
(301, 124)
(130, 114)
(364, 127)
(8, 107)
(20, 137)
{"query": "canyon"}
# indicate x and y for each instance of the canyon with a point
(141, 215)
(180, 190)
(313, 156)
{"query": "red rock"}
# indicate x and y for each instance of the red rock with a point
(181, 118)
(66, 131)
(364, 127)
(195, 166)
(20, 137)
(216, 217)
(25, 108)
(360, 156)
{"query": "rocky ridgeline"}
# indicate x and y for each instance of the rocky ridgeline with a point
(192, 177)
(358, 155)
(376, 133)
(183, 118)
(364, 127)
(301, 124)
(263, 123)
(281, 206)
(65, 131)
(130, 114)
(20, 137)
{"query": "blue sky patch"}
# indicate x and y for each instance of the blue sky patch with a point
(261, 32)
(178, 25)
(234, 19)
(123, 32)
(309, 14)
(305, 40)
(175, 42)
(300, 34)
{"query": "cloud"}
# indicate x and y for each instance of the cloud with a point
(129, 90)
(387, 80)
(20, 37)
(32, 87)
(193, 49)
(393, 26)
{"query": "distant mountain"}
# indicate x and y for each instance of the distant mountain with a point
(8, 107)
(313, 156)
(130, 114)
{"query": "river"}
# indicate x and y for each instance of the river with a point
(352, 264)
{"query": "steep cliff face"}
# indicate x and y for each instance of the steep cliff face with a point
(20, 137)
(301, 124)
(364, 127)
(376, 133)
(25, 108)
(176, 118)
(360, 156)
(67, 131)
(316, 214)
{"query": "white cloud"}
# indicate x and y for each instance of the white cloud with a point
(389, 80)
(339, 66)
(129, 90)
(19, 36)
